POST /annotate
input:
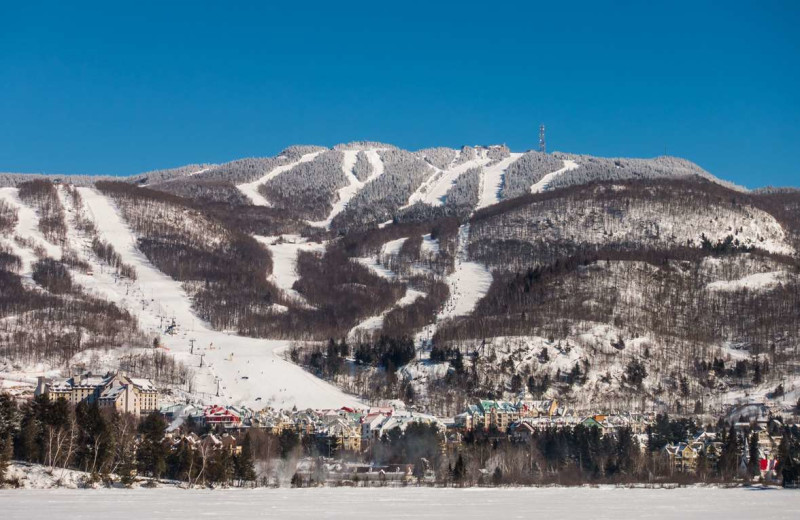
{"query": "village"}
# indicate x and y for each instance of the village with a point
(351, 446)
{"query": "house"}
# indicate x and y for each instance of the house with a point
(522, 431)
(221, 415)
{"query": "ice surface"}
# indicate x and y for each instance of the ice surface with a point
(417, 503)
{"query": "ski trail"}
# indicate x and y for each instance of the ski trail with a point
(250, 371)
(250, 189)
(28, 228)
(284, 261)
(377, 164)
(376, 322)
(468, 283)
(544, 182)
(493, 181)
(434, 190)
(346, 193)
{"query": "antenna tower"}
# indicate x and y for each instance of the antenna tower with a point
(542, 145)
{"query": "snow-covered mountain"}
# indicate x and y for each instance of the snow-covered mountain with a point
(433, 276)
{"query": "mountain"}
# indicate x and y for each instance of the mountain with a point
(434, 276)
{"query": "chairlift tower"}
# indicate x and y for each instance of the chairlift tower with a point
(542, 145)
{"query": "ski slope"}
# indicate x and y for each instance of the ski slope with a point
(250, 371)
(250, 189)
(284, 251)
(492, 181)
(376, 322)
(468, 283)
(27, 228)
(434, 190)
(545, 181)
(346, 194)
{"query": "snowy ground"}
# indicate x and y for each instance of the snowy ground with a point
(355, 504)
(250, 371)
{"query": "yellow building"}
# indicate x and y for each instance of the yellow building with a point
(126, 394)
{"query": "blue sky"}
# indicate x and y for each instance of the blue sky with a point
(119, 88)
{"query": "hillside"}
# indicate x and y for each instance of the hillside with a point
(433, 276)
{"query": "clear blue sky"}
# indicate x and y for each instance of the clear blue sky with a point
(123, 87)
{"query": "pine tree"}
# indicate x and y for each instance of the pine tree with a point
(459, 471)
(753, 462)
(151, 454)
(245, 470)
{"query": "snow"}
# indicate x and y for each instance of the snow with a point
(492, 181)
(250, 189)
(284, 260)
(753, 282)
(226, 357)
(544, 183)
(606, 502)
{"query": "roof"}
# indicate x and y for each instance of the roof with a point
(143, 384)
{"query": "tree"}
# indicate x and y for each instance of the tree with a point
(497, 476)
(459, 471)
(729, 458)
(152, 454)
(757, 378)
(753, 456)
(245, 469)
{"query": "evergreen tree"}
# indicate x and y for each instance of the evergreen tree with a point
(459, 471)
(152, 454)
(729, 458)
(753, 463)
(245, 469)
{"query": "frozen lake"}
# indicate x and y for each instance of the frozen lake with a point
(413, 503)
